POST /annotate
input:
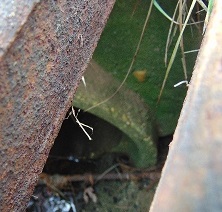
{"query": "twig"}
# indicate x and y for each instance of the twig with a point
(61, 180)
(106, 172)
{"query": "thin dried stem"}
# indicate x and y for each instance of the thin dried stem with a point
(81, 124)
(175, 50)
(132, 62)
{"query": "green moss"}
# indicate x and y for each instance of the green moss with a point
(117, 46)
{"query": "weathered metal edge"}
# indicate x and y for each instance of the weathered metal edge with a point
(40, 72)
(13, 16)
(191, 178)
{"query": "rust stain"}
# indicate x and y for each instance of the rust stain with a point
(49, 66)
(40, 71)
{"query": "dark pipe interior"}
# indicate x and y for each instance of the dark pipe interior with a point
(74, 153)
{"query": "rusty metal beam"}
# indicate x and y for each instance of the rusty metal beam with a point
(42, 59)
(192, 176)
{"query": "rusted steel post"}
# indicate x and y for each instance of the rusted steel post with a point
(42, 59)
(192, 176)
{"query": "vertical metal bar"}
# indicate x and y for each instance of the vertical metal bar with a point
(192, 177)
(40, 68)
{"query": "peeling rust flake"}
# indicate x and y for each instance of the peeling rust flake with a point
(41, 65)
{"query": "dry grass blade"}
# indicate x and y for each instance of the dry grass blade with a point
(83, 126)
(175, 49)
(202, 4)
(181, 41)
(169, 37)
(132, 62)
(164, 13)
(209, 11)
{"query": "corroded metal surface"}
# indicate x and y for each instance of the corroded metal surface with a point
(192, 177)
(13, 15)
(39, 74)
